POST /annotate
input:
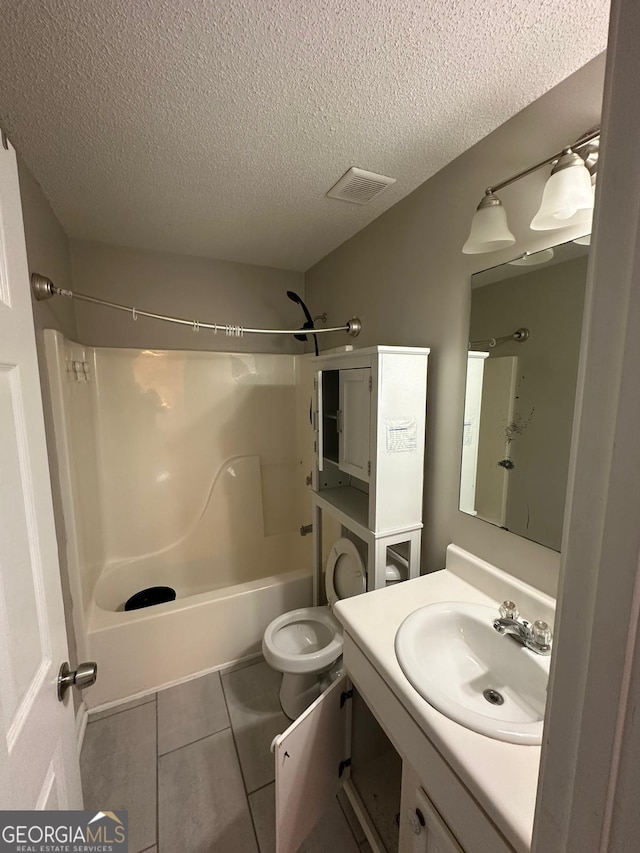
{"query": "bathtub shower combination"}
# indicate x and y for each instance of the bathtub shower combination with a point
(184, 470)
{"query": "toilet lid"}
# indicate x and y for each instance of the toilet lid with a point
(345, 575)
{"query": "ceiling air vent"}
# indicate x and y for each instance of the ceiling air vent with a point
(359, 186)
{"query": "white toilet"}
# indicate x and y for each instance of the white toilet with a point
(305, 645)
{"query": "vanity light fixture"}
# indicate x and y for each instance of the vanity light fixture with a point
(489, 227)
(585, 240)
(567, 198)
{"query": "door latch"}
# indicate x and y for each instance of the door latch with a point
(84, 676)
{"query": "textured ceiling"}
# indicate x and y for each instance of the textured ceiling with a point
(215, 128)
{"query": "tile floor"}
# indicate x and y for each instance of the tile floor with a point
(192, 765)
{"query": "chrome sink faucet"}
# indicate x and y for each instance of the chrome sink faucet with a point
(535, 636)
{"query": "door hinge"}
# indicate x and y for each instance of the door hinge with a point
(343, 766)
(369, 468)
(315, 383)
(371, 383)
(345, 696)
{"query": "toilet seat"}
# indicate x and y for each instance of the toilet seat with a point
(345, 574)
(305, 640)
(305, 644)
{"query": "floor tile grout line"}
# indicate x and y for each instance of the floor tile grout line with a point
(244, 783)
(191, 742)
(260, 787)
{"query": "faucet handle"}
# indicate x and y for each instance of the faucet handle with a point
(508, 610)
(541, 633)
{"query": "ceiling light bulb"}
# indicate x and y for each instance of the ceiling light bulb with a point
(567, 198)
(489, 228)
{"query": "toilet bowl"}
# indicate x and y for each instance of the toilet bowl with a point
(305, 645)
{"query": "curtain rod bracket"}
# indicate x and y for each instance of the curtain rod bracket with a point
(41, 286)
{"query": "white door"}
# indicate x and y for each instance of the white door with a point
(355, 422)
(312, 762)
(38, 753)
(498, 401)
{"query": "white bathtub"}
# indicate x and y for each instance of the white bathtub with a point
(187, 470)
(143, 650)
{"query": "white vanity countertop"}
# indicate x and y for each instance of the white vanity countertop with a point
(501, 776)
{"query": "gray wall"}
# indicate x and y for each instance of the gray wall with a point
(406, 278)
(48, 253)
(186, 286)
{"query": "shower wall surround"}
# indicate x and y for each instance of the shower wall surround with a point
(197, 458)
(178, 468)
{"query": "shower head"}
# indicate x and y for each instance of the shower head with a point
(309, 324)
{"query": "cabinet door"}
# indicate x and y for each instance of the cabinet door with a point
(430, 834)
(354, 425)
(310, 765)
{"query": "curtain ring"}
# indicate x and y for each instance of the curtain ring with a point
(134, 314)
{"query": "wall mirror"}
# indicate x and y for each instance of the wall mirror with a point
(524, 342)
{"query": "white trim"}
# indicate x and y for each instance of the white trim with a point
(364, 819)
(588, 779)
(82, 718)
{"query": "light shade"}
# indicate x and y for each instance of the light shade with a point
(567, 198)
(489, 228)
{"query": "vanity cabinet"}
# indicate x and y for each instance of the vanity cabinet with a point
(422, 829)
(313, 761)
(319, 754)
(459, 818)
(369, 416)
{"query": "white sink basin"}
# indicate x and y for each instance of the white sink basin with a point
(458, 662)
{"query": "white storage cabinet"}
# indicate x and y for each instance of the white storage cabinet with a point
(369, 419)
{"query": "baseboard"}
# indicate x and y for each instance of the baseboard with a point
(82, 718)
(365, 821)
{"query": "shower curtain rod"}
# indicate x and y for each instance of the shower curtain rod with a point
(519, 336)
(44, 288)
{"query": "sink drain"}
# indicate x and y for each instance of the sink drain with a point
(493, 697)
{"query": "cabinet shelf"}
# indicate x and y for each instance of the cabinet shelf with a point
(351, 506)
